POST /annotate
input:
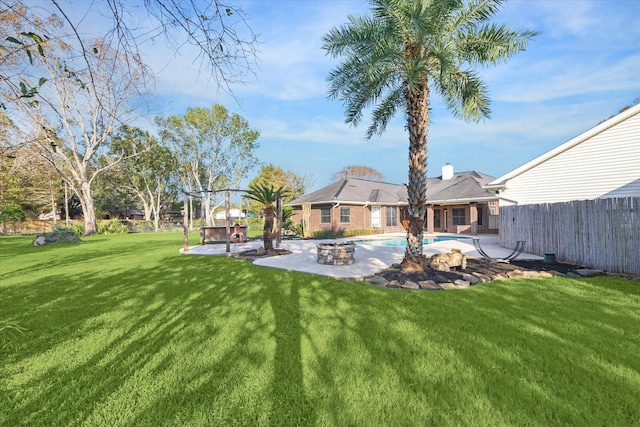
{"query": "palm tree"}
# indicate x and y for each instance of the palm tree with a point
(394, 58)
(268, 196)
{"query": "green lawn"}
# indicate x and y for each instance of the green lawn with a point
(123, 330)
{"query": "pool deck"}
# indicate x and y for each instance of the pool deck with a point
(370, 259)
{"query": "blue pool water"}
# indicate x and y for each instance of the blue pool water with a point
(401, 241)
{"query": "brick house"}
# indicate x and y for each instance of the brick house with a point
(457, 204)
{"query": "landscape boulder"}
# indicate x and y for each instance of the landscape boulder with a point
(57, 236)
(445, 262)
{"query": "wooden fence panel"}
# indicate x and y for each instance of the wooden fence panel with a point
(601, 233)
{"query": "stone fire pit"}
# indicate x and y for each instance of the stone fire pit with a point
(336, 253)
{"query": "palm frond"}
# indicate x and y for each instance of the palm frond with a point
(405, 42)
(493, 43)
(264, 193)
(476, 12)
(385, 111)
(364, 76)
(466, 95)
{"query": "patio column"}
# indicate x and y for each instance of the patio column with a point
(429, 224)
(473, 218)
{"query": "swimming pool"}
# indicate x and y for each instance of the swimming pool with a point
(401, 241)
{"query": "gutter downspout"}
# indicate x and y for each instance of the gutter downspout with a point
(364, 208)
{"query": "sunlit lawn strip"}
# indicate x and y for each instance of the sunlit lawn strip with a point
(123, 330)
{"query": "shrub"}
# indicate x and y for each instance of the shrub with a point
(297, 229)
(78, 229)
(256, 223)
(363, 232)
(75, 229)
(113, 226)
(60, 235)
(145, 226)
(12, 213)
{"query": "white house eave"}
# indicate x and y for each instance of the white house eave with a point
(494, 187)
(348, 202)
(501, 181)
(463, 201)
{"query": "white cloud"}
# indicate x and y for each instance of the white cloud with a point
(558, 78)
(580, 70)
(571, 16)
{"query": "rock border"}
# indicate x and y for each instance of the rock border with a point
(478, 272)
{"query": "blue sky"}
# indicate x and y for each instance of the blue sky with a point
(581, 70)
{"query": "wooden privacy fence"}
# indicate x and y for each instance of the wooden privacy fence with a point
(601, 233)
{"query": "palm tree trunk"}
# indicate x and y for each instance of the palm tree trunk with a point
(417, 123)
(267, 237)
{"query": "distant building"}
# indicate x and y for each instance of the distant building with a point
(233, 214)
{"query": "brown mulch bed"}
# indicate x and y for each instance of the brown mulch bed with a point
(475, 265)
(539, 265)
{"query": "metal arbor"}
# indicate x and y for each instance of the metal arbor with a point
(227, 199)
(227, 208)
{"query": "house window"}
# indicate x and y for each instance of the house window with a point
(375, 217)
(345, 215)
(458, 216)
(392, 216)
(325, 215)
(479, 216)
(436, 218)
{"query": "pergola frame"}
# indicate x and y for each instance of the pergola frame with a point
(227, 208)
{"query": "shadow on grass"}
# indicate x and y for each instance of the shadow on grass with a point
(505, 353)
(181, 340)
(132, 333)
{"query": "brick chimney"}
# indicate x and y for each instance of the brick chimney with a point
(447, 172)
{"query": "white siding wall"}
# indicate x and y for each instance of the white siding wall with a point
(606, 165)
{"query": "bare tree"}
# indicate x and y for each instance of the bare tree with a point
(225, 44)
(356, 171)
(88, 93)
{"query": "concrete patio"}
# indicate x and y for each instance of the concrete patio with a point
(370, 259)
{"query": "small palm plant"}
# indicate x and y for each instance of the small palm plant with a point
(268, 196)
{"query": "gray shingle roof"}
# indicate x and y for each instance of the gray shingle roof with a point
(358, 191)
(462, 186)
